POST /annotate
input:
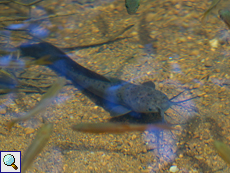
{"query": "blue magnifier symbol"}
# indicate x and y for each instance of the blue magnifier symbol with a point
(9, 160)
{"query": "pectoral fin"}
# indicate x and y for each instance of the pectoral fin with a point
(162, 114)
(119, 110)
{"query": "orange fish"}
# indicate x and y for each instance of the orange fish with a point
(117, 127)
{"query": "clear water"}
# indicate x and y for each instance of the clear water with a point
(167, 44)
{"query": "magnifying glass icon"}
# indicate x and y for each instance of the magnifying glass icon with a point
(9, 160)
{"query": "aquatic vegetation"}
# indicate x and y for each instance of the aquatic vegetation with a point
(111, 38)
(37, 145)
(117, 127)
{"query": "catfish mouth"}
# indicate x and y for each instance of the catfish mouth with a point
(166, 105)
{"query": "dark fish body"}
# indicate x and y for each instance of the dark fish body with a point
(132, 6)
(225, 16)
(135, 97)
(117, 127)
(139, 98)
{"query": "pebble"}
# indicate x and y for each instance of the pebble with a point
(133, 137)
(3, 111)
(173, 169)
(29, 130)
(180, 155)
(208, 63)
(150, 17)
(214, 43)
(194, 52)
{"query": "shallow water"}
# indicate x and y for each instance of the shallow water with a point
(168, 45)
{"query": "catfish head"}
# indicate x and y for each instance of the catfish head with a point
(144, 99)
(149, 100)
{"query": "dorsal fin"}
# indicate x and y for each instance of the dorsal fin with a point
(149, 84)
(119, 110)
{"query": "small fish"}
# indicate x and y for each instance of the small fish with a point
(7, 80)
(225, 16)
(223, 150)
(132, 6)
(207, 12)
(7, 63)
(46, 99)
(36, 146)
(117, 127)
